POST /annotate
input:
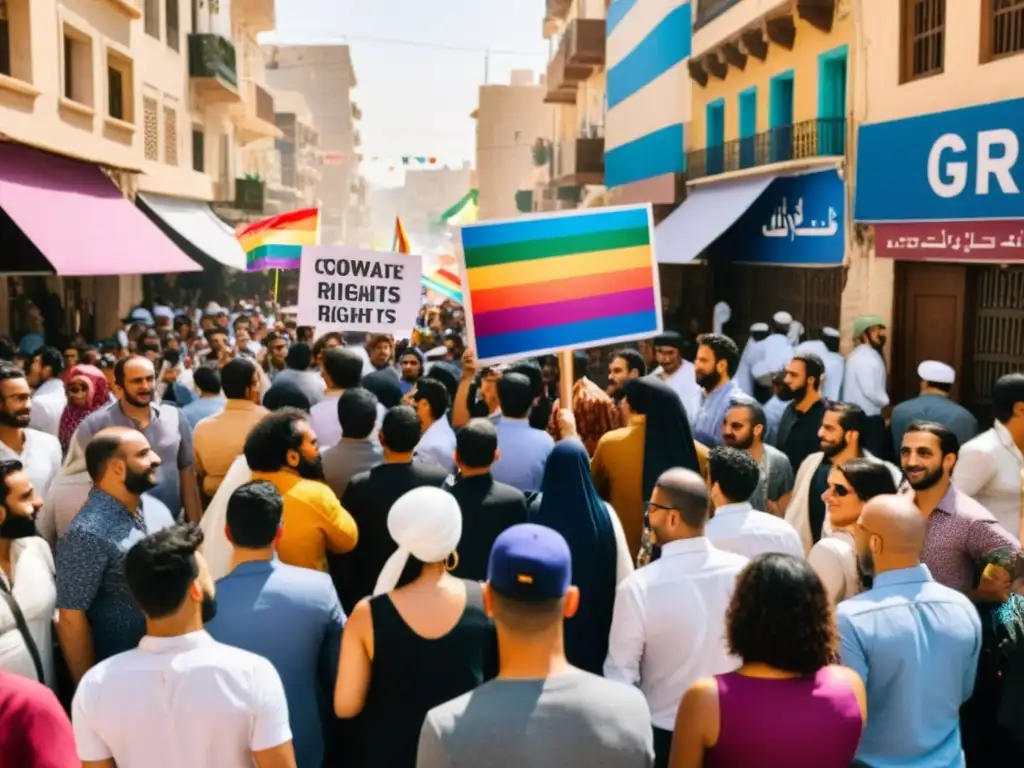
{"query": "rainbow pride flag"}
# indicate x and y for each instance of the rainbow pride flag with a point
(277, 242)
(540, 284)
(444, 283)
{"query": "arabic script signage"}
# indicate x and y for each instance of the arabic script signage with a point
(990, 241)
(796, 220)
(964, 164)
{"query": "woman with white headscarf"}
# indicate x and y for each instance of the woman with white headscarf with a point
(422, 639)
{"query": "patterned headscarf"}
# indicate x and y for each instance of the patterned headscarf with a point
(99, 396)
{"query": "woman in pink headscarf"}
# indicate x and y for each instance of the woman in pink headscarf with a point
(87, 391)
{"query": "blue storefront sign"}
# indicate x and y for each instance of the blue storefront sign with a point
(797, 220)
(960, 165)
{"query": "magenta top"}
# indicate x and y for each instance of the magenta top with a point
(800, 722)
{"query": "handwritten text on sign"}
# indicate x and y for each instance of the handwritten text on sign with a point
(344, 288)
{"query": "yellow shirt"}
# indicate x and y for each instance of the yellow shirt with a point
(218, 440)
(314, 521)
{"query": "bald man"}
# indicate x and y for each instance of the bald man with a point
(913, 641)
(98, 617)
(668, 625)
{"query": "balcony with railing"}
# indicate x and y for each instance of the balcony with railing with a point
(581, 51)
(255, 118)
(579, 162)
(250, 194)
(212, 68)
(824, 137)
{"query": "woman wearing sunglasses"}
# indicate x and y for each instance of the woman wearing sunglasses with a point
(850, 486)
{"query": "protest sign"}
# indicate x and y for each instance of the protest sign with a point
(549, 282)
(356, 289)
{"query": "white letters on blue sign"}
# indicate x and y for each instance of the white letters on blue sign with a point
(988, 166)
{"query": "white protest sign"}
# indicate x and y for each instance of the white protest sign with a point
(356, 289)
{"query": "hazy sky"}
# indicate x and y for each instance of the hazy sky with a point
(416, 99)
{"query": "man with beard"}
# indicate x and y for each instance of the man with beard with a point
(623, 365)
(411, 364)
(180, 698)
(714, 367)
(798, 429)
(282, 449)
(48, 399)
(38, 452)
(744, 427)
(26, 580)
(163, 426)
(98, 617)
(864, 381)
(839, 441)
(913, 641)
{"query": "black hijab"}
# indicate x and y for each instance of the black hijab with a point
(668, 441)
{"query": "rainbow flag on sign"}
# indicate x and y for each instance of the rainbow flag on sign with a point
(277, 242)
(541, 284)
(444, 283)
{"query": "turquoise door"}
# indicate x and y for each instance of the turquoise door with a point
(831, 129)
(781, 117)
(748, 128)
(715, 121)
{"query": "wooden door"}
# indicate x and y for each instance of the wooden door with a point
(929, 323)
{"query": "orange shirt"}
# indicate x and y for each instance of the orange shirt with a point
(595, 412)
(218, 440)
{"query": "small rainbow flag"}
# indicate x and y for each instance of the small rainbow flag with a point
(401, 244)
(539, 284)
(444, 283)
(277, 242)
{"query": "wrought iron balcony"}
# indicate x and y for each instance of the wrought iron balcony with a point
(212, 68)
(824, 137)
(250, 194)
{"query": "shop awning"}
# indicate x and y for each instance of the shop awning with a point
(197, 223)
(708, 211)
(78, 220)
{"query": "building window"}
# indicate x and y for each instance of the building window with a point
(115, 94)
(173, 30)
(198, 150)
(1002, 28)
(923, 39)
(16, 40)
(77, 52)
(120, 87)
(5, 42)
(170, 136)
(152, 14)
(150, 129)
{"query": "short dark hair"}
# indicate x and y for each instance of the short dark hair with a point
(319, 344)
(580, 364)
(814, 367)
(436, 395)
(949, 443)
(121, 364)
(754, 410)
(780, 615)
(357, 412)
(208, 379)
(868, 477)
(236, 377)
(477, 443)
(1006, 393)
(343, 366)
(532, 371)
(515, 395)
(634, 360)
(160, 568)
(851, 416)
(101, 448)
(51, 357)
(9, 371)
(273, 336)
(736, 472)
(215, 331)
(266, 447)
(242, 318)
(299, 357)
(8, 467)
(527, 618)
(401, 429)
(254, 514)
(723, 348)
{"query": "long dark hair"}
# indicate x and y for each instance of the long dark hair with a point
(868, 477)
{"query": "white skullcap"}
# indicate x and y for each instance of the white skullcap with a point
(759, 328)
(934, 371)
(425, 523)
(828, 331)
(782, 318)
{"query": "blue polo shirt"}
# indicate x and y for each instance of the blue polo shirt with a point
(523, 451)
(915, 643)
(292, 617)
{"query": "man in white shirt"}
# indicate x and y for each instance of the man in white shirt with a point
(736, 526)
(48, 397)
(342, 369)
(668, 626)
(776, 352)
(181, 699)
(38, 451)
(827, 348)
(675, 370)
(864, 382)
(437, 445)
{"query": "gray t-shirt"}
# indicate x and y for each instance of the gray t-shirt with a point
(578, 720)
(776, 478)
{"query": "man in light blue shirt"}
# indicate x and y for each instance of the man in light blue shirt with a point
(290, 616)
(210, 401)
(715, 364)
(913, 641)
(523, 450)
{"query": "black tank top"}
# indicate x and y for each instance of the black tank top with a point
(410, 675)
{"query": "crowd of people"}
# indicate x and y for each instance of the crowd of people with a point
(225, 542)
